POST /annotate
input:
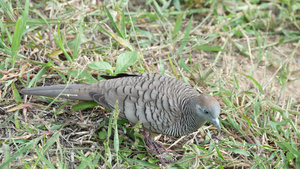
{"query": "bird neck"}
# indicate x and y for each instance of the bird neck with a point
(190, 119)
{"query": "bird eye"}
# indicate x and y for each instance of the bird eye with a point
(205, 111)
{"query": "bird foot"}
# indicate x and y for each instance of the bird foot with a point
(156, 148)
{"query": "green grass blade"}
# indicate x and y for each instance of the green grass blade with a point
(293, 150)
(182, 64)
(40, 155)
(6, 152)
(8, 10)
(60, 43)
(173, 67)
(186, 37)
(113, 23)
(177, 27)
(18, 33)
(21, 150)
(38, 76)
(255, 82)
(78, 36)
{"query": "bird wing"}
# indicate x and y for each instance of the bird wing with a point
(141, 97)
(154, 109)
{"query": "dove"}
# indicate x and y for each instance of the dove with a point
(163, 104)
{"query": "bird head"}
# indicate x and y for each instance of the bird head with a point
(208, 108)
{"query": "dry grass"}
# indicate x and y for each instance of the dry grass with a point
(245, 54)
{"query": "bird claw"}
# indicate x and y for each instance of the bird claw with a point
(156, 148)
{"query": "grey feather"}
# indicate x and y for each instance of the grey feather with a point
(163, 104)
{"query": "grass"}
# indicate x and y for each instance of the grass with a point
(245, 53)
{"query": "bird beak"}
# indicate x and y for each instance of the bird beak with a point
(216, 123)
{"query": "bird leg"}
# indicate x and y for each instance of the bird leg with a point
(155, 148)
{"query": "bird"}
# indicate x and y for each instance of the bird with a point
(162, 104)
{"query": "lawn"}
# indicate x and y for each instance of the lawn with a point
(244, 53)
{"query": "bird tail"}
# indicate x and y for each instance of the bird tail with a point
(73, 91)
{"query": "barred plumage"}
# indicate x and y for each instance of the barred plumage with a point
(163, 104)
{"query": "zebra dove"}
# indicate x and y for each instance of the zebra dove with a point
(163, 104)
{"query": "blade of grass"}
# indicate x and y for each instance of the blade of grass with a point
(40, 155)
(186, 37)
(106, 162)
(177, 27)
(116, 136)
(57, 38)
(38, 76)
(255, 82)
(293, 150)
(183, 65)
(6, 152)
(161, 67)
(16, 94)
(8, 10)
(21, 150)
(48, 145)
(173, 67)
(113, 23)
(60, 43)
(84, 160)
(78, 36)
(123, 23)
(160, 13)
(18, 33)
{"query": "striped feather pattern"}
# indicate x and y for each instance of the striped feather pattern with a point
(163, 104)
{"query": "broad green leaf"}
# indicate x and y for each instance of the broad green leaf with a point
(84, 105)
(101, 66)
(55, 127)
(102, 135)
(176, 3)
(125, 60)
(83, 75)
